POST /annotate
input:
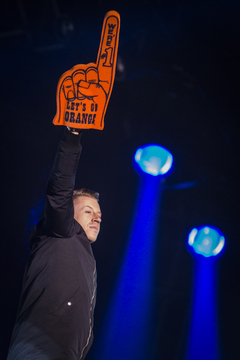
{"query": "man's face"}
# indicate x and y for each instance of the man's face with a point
(87, 212)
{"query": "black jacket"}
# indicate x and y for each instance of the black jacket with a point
(55, 314)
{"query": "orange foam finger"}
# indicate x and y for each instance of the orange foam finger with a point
(84, 91)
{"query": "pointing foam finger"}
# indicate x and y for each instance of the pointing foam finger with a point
(91, 83)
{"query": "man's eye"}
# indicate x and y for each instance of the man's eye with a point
(87, 211)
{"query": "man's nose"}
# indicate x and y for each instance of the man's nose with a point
(96, 218)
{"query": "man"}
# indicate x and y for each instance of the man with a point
(55, 315)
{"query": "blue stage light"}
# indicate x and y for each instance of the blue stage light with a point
(127, 329)
(206, 240)
(154, 159)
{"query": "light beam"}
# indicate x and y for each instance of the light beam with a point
(128, 331)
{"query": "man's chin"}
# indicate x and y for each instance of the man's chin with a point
(92, 238)
(92, 235)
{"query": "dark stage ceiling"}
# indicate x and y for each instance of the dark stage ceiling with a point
(180, 89)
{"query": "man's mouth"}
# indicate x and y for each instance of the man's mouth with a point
(94, 228)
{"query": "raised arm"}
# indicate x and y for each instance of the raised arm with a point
(58, 210)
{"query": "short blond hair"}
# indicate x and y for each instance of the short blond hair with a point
(86, 192)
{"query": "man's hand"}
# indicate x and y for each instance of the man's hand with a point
(84, 91)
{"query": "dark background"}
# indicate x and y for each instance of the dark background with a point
(180, 89)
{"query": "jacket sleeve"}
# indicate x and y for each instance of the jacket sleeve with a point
(58, 210)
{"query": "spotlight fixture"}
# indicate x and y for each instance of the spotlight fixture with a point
(206, 240)
(154, 159)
